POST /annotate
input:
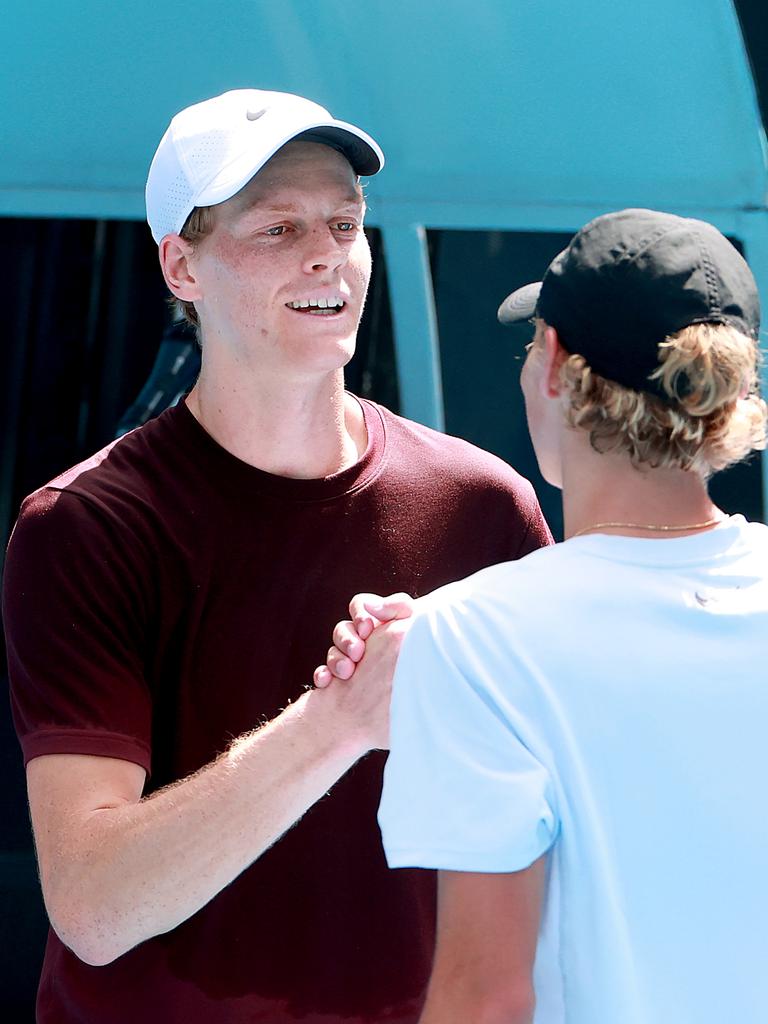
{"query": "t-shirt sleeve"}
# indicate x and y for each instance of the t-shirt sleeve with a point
(75, 612)
(462, 791)
(538, 534)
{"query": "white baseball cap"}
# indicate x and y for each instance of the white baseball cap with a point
(212, 149)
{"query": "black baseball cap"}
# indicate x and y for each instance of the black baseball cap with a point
(628, 280)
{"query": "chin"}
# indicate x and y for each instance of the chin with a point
(329, 357)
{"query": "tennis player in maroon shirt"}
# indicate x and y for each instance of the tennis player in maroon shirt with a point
(205, 823)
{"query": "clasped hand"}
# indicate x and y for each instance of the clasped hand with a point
(364, 653)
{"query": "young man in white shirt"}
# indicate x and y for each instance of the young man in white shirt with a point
(586, 764)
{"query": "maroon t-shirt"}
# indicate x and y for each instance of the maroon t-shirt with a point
(160, 599)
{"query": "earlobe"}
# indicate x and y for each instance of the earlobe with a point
(175, 260)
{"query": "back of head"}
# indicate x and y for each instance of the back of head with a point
(710, 416)
(659, 315)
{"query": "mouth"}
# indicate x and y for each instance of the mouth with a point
(330, 306)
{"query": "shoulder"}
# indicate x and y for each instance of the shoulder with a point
(756, 536)
(446, 452)
(510, 597)
(432, 445)
(114, 479)
(109, 498)
(477, 498)
(97, 528)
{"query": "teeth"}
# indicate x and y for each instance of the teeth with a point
(333, 303)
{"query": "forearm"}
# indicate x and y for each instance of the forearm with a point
(487, 930)
(139, 869)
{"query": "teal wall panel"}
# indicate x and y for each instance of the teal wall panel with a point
(536, 102)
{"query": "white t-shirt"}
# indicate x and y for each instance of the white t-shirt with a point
(605, 699)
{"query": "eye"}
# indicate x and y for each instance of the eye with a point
(346, 226)
(276, 231)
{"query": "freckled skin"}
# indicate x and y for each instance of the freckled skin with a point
(294, 230)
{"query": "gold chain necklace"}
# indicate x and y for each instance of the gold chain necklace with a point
(648, 526)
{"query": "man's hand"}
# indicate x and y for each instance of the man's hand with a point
(366, 697)
(367, 611)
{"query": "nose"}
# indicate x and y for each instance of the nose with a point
(323, 251)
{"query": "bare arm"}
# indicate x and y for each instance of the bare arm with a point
(117, 869)
(486, 944)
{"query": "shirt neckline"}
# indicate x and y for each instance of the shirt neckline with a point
(667, 551)
(230, 471)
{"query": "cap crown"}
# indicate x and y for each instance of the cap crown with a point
(629, 279)
(213, 148)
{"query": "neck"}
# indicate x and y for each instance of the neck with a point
(300, 429)
(602, 489)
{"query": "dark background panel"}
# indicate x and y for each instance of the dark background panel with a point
(481, 360)
(753, 15)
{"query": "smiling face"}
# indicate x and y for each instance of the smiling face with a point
(281, 278)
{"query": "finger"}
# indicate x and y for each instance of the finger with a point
(363, 621)
(339, 665)
(345, 637)
(385, 609)
(322, 677)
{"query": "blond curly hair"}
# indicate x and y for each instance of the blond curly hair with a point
(715, 416)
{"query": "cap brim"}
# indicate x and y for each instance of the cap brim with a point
(360, 149)
(520, 305)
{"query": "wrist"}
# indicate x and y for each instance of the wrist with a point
(325, 714)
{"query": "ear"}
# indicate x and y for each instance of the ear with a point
(176, 262)
(554, 357)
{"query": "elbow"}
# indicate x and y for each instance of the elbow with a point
(495, 1004)
(86, 932)
(515, 1005)
(90, 954)
(86, 941)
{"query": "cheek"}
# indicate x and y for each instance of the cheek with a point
(531, 416)
(526, 382)
(236, 260)
(534, 402)
(243, 280)
(360, 259)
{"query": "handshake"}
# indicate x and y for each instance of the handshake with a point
(364, 650)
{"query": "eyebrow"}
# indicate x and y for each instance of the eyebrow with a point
(266, 204)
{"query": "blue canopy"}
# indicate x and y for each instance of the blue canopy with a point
(532, 115)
